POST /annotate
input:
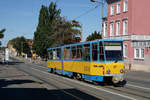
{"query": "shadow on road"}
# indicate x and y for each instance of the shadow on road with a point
(11, 63)
(43, 94)
(5, 83)
(39, 93)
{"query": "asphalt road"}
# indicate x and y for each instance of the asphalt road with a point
(62, 88)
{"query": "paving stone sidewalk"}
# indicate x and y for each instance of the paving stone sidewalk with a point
(16, 85)
(138, 67)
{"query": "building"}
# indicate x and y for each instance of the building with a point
(129, 20)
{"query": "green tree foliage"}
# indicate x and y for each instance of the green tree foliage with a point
(20, 44)
(68, 32)
(53, 30)
(43, 35)
(94, 36)
(1, 33)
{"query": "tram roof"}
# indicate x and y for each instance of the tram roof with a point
(85, 42)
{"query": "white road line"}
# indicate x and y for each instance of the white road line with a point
(93, 87)
(138, 87)
(38, 66)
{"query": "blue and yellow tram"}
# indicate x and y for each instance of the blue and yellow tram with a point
(94, 60)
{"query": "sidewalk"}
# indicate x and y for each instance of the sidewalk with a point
(15, 85)
(138, 67)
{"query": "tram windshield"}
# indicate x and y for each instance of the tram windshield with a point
(113, 51)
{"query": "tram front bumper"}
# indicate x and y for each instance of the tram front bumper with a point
(116, 78)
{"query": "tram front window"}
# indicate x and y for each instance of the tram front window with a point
(113, 51)
(114, 55)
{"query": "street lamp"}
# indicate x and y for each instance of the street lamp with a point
(101, 3)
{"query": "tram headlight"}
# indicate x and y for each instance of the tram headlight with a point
(121, 70)
(108, 71)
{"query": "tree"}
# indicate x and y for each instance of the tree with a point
(54, 30)
(20, 44)
(73, 33)
(94, 36)
(43, 37)
(1, 33)
(68, 32)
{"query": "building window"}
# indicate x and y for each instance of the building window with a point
(139, 53)
(118, 8)
(125, 51)
(112, 10)
(112, 29)
(105, 29)
(125, 9)
(118, 28)
(125, 27)
(136, 53)
(142, 53)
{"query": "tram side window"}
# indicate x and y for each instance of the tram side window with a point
(50, 54)
(94, 52)
(86, 51)
(79, 53)
(73, 53)
(58, 55)
(101, 51)
(54, 53)
(67, 53)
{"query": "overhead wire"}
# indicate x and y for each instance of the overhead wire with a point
(88, 11)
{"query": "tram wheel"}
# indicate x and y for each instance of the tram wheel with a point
(79, 76)
(120, 84)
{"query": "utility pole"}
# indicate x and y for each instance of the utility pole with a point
(101, 3)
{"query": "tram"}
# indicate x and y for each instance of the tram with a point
(96, 61)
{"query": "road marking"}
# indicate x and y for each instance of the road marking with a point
(92, 86)
(60, 90)
(138, 87)
(38, 66)
(103, 90)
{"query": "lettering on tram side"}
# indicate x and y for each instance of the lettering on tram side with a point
(86, 68)
(98, 66)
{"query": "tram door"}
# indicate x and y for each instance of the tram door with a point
(98, 57)
(57, 59)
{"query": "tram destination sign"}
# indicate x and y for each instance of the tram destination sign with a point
(112, 43)
(112, 48)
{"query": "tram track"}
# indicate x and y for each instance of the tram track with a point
(125, 90)
(63, 82)
(130, 91)
(44, 81)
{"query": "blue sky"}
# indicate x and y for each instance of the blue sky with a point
(20, 17)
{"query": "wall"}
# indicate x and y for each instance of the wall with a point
(120, 17)
(141, 16)
(130, 50)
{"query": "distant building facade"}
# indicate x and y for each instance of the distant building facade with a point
(129, 20)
